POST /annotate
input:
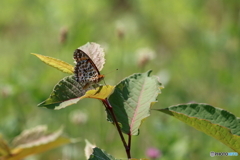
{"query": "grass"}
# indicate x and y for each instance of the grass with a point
(196, 43)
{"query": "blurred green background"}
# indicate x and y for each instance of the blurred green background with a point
(192, 45)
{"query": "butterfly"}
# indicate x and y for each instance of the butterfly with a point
(86, 72)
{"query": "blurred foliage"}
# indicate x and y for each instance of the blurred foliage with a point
(196, 46)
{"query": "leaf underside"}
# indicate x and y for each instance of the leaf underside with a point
(216, 122)
(132, 99)
(95, 52)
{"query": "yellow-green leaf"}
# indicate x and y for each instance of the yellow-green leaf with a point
(33, 141)
(20, 153)
(4, 148)
(56, 63)
(99, 93)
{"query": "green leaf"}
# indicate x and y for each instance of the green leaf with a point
(99, 154)
(216, 122)
(68, 91)
(132, 99)
(56, 63)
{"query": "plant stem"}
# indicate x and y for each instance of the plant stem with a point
(129, 141)
(110, 109)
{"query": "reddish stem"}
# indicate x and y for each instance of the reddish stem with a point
(110, 110)
(129, 141)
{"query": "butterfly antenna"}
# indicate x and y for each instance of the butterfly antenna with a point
(104, 82)
(108, 73)
(111, 71)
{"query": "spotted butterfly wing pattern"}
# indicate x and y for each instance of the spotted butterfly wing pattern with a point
(85, 71)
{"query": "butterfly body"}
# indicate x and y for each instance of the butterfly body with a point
(85, 71)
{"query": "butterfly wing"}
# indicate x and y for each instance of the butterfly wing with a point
(85, 70)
